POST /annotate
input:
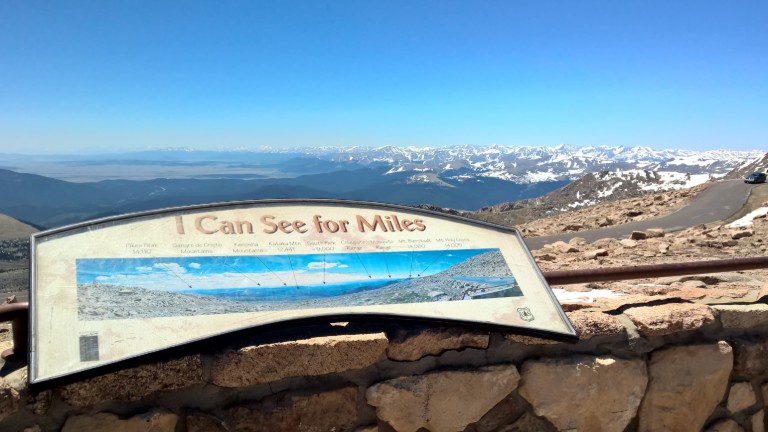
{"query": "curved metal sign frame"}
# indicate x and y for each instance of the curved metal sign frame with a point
(121, 287)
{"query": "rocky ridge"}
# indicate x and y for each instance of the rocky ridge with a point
(710, 241)
(601, 192)
(759, 164)
(654, 246)
(534, 222)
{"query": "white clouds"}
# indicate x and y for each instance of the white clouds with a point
(171, 267)
(317, 265)
(143, 269)
(194, 265)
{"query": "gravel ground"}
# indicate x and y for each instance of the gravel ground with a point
(98, 302)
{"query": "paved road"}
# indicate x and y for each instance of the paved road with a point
(717, 202)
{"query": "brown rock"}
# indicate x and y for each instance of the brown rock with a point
(545, 257)
(411, 346)
(528, 423)
(9, 399)
(605, 242)
(638, 235)
(39, 403)
(577, 241)
(430, 401)
(711, 234)
(328, 411)
(694, 284)
(604, 222)
(529, 340)
(711, 279)
(716, 278)
(669, 318)
(742, 233)
(758, 421)
(503, 414)
(574, 306)
(668, 280)
(742, 317)
(717, 244)
(594, 254)
(563, 247)
(655, 232)
(271, 362)
(17, 379)
(764, 391)
(714, 295)
(204, 423)
(154, 421)
(583, 392)
(686, 385)
(135, 383)
(628, 243)
(725, 425)
(616, 304)
(594, 323)
(750, 358)
(731, 278)
(741, 397)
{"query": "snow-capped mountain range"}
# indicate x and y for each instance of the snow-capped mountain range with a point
(54, 190)
(524, 165)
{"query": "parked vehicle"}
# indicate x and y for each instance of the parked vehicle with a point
(755, 177)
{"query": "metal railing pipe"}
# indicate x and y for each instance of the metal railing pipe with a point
(567, 277)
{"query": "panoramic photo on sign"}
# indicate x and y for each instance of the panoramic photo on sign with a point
(122, 287)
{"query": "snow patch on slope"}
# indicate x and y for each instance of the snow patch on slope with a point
(748, 219)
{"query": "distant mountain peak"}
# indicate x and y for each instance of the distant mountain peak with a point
(460, 177)
(531, 164)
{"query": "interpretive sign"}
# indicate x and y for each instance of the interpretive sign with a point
(121, 287)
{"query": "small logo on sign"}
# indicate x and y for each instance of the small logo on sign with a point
(89, 347)
(525, 314)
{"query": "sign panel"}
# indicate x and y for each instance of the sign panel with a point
(121, 287)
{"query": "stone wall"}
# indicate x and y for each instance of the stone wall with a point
(666, 364)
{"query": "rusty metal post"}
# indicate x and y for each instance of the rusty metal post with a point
(18, 315)
(566, 277)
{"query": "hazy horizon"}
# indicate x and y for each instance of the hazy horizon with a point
(86, 77)
(301, 148)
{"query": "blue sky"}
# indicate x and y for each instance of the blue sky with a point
(80, 75)
(181, 273)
